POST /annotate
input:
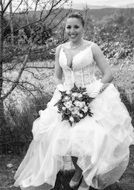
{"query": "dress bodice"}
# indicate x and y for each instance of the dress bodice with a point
(82, 71)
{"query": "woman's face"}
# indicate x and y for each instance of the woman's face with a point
(74, 29)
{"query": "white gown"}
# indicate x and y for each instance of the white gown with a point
(100, 142)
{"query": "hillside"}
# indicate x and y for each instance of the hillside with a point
(97, 13)
(100, 13)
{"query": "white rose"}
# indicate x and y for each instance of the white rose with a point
(71, 119)
(81, 104)
(75, 112)
(79, 95)
(63, 108)
(73, 98)
(68, 92)
(66, 98)
(76, 108)
(76, 102)
(75, 94)
(68, 104)
(85, 109)
(81, 115)
(84, 93)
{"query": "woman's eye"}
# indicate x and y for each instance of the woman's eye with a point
(76, 27)
(68, 27)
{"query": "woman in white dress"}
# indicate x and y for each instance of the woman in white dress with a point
(99, 145)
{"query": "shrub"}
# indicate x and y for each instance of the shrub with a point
(17, 134)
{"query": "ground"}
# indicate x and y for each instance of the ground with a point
(9, 164)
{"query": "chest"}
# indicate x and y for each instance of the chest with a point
(76, 60)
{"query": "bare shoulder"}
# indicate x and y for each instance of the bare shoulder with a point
(87, 42)
(58, 48)
(95, 47)
(66, 44)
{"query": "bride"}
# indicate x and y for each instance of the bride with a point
(99, 145)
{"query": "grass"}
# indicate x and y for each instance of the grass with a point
(8, 166)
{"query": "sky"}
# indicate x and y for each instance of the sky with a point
(106, 2)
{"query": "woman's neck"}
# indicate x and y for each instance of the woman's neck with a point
(74, 45)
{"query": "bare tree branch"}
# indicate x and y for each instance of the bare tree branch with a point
(38, 67)
(55, 15)
(44, 7)
(18, 7)
(17, 79)
(41, 19)
(35, 88)
(52, 7)
(7, 5)
(60, 21)
(36, 5)
(35, 76)
(4, 1)
(10, 68)
(1, 6)
(29, 91)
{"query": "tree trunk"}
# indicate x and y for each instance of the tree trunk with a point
(11, 24)
(2, 118)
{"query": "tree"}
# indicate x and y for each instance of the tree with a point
(44, 11)
(11, 25)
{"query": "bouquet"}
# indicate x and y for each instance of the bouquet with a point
(74, 104)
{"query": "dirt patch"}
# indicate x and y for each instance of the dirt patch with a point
(9, 164)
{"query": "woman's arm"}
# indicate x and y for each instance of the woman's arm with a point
(102, 64)
(58, 70)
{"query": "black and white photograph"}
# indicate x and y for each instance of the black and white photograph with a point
(66, 94)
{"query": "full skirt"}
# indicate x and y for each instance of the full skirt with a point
(100, 142)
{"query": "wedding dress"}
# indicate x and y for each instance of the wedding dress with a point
(100, 142)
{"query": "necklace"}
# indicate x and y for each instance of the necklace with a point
(77, 45)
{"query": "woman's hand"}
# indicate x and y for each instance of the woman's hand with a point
(105, 85)
(94, 88)
(60, 87)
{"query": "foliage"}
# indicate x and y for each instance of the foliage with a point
(40, 33)
(116, 36)
(113, 33)
(17, 135)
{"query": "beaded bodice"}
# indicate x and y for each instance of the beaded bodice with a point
(82, 71)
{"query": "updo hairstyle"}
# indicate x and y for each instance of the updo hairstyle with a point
(78, 16)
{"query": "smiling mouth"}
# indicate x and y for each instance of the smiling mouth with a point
(73, 36)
